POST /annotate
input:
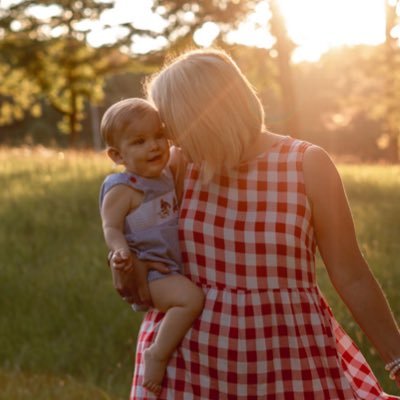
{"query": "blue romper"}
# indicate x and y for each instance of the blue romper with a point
(151, 229)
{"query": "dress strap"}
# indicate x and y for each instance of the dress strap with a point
(151, 188)
(121, 178)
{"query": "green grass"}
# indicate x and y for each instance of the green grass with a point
(59, 312)
(64, 333)
(22, 386)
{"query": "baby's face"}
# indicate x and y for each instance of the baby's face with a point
(144, 148)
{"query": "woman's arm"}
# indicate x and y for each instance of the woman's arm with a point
(347, 268)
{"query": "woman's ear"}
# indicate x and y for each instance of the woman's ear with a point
(115, 155)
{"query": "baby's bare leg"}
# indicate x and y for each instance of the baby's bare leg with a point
(182, 301)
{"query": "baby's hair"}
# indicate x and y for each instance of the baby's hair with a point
(209, 108)
(123, 115)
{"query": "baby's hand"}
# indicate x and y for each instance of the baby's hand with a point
(122, 260)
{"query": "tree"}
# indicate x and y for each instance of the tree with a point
(371, 85)
(18, 95)
(284, 47)
(338, 115)
(53, 52)
(186, 17)
(392, 83)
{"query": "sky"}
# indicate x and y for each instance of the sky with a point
(314, 25)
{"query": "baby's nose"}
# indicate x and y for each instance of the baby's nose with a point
(154, 144)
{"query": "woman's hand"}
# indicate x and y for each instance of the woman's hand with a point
(131, 282)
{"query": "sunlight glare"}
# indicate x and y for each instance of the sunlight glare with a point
(206, 34)
(318, 25)
(136, 12)
(254, 30)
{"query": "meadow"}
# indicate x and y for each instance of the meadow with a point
(64, 332)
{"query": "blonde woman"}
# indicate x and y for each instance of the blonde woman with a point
(255, 207)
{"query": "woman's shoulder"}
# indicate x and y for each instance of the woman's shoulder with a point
(290, 143)
(284, 144)
(316, 158)
(319, 170)
(269, 140)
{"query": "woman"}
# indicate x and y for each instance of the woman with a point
(255, 207)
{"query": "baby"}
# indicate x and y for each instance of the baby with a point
(139, 212)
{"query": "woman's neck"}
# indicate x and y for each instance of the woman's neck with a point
(261, 145)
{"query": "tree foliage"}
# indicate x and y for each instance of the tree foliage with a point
(47, 42)
(366, 83)
(185, 17)
(18, 95)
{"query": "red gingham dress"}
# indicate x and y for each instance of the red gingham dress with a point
(266, 331)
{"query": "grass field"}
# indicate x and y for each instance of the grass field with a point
(64, 333)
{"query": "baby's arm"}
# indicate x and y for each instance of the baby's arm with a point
(117, 204)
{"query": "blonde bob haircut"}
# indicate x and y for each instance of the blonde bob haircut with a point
(209, 108)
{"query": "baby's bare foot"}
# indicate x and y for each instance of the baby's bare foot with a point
(154, 371)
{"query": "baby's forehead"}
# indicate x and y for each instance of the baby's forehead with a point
(149, 122)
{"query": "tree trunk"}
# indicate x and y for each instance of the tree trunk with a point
(393, 155)
(391, 122)
(284, 47)
(95, 122)
(73, 119)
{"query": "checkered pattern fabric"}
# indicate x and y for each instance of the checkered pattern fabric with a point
(266, 331)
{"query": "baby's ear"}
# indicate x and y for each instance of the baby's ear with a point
(115, 155)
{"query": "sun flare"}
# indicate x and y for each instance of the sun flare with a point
(318, 25)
